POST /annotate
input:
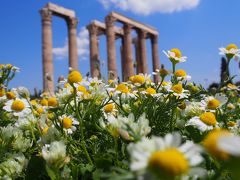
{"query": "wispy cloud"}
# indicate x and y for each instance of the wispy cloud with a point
(82, 45)
(146, 7)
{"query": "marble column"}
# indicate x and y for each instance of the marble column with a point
(142, 35)
(48, 81)
(111, 48)
(128, 57)
(137, 56)
(94, 51)
(155, 56)
(72, 43)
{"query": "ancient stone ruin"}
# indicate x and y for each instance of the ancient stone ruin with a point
(69, 16)
(112, 33)
(96, 29)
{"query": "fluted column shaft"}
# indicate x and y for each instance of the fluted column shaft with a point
(48, 81)
(111, 48)
(72, 43)
(137, 56)
(94, 51)
(155, 56)
(128, 60)
(143, 51)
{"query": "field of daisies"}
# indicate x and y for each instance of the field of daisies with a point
(92, 129)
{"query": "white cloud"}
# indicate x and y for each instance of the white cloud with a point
(147, 7)
(82, 45)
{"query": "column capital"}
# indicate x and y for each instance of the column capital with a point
(92, 29)
(154, 39)
(142, 34)
(127, 28)
(110, 20)
(72, 22)
(46, 14)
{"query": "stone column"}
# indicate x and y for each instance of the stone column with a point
(155, 56)
(122, 57)
(72, 43)
(142, 35)
(48, 81)
(94, 51)
(128, 60)
(137, 55)
(111, 48)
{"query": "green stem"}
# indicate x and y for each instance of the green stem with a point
(81, 128)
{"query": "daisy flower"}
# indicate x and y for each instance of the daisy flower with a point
(68, 123)
(212, 103)
(165, 157)
(182, 75)
(230, 145)
(205, 122)
(19, 107)
(178, 91)
(230, 51)
(211, 143)
(124, 91)
(175, 56)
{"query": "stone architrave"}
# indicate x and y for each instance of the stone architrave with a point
(111, 48)
(142, 35)
(128, 69)
(48, 81)
(72, 42)
(94, 51)
(155, 56)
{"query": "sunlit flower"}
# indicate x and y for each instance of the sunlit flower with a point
(68, 123)
(205, 122)
(164, 157)
(230, 51)
(178, 91)
(181, 74)
(212, 103)
(211, 143)
(19, 107)
(74, 77)
(230, 145)
(175, 56)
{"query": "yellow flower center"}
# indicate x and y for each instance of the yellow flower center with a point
(164, 83)
(138, 79)
(74, 77)
(213, 104)
(45, 130)
(231, 123)
(151, 90)
(177, 52)
(17, 105)
(109, 108)
(40, 110)
(163, 72)
(52, 102)
(208, 118)
(44, 102)
(110, 81)
(82, 89)
(231, 46)
(231, 86)
(169, 163)
(211, 143)
(122, 88)
(67, 122)
(9, 66)
(177, 88)
(180, 73)
(10, 95)
(33, 102)
(2, 92)
(66, 85)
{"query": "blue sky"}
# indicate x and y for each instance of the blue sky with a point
(198, 32)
